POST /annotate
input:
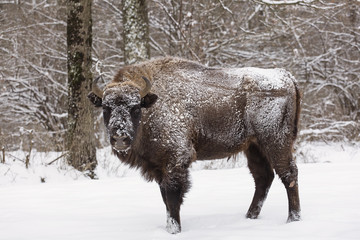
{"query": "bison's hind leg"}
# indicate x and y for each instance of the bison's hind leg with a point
(288, 173)
(263, 175)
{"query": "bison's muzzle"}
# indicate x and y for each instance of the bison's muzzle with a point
(120, 143)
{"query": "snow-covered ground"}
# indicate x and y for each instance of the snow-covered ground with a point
(121, 205)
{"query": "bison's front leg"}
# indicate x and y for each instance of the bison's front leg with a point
(173, 188)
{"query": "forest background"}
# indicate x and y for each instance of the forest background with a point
(317, 41)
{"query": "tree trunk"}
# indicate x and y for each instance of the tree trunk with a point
(80, 134)
(136, 31)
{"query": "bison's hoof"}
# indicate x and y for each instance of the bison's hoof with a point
(293, 217)
(173, 226)
(252, 215)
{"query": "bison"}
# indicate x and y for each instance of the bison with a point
(164, 114)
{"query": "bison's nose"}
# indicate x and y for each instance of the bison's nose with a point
(120, 143)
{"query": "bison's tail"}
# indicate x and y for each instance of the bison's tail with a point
(298, 108)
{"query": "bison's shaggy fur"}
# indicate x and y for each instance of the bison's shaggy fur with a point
(194, 112)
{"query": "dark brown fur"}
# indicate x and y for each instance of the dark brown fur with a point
(208, 113)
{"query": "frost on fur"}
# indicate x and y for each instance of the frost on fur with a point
(172, 226)
(194, 112)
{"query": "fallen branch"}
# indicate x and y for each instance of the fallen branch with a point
(62, 155)
(14, 157)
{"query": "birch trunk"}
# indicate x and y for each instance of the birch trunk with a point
(136, 31)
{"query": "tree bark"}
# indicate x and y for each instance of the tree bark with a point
(80, 134)
(136, 31)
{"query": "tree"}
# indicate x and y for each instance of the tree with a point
(80, 133)
(136, 31)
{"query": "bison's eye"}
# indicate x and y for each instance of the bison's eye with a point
(106, 113)
(135, 112)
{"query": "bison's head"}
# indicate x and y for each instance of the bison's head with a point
(122, 104)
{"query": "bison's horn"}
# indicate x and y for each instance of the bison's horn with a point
(147, 87)
(96, 89)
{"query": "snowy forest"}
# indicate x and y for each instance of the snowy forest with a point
(317, 41)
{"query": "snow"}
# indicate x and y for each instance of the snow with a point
(121, 205)
(266, 79)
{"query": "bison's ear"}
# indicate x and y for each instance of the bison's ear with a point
(148, 100)
(96, 100)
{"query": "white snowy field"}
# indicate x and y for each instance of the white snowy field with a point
(121, 205)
